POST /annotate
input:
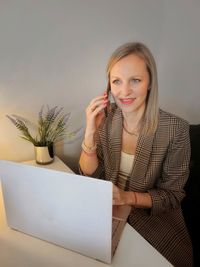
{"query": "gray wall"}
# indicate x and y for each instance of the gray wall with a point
(55, 52)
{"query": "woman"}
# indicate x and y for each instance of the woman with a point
(143, 150)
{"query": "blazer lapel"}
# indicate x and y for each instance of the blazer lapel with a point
(141, 161)
(115, 144)
(142, 155)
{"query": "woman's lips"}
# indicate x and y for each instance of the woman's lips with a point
(127, 101)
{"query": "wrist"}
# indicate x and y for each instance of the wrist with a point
(135, 199)
(132, 198)
(89, 146)
(90, 151)
(89, 140)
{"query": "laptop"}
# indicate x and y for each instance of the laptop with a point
(66, 209)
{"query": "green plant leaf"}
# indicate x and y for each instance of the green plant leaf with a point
(51, 127)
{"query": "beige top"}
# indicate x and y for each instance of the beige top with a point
(126, 165)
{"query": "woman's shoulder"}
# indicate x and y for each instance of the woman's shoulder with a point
(171, 126)
(170, 119)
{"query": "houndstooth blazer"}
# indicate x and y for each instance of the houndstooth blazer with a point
(161, 167)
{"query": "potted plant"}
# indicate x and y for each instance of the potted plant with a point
(50, 128)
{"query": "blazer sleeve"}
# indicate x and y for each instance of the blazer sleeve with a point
(169, 189)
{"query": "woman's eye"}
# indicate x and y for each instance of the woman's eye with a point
(116, 82)
(136, 80)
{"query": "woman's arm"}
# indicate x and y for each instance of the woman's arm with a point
(169, 190)
(94, 115)
(88, 160)
(136, 199)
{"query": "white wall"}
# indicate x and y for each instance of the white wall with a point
(55, 52)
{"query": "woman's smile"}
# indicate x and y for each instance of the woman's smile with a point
(127, 101)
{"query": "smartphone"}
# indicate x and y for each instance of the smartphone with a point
(108, 91)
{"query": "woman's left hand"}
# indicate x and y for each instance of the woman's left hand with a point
(120, 197)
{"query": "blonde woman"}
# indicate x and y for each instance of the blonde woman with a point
(142, 149)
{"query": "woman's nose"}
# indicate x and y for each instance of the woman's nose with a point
(126, 89)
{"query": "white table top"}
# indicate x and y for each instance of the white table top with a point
(21, 250)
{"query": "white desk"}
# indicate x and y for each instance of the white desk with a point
(21, 250)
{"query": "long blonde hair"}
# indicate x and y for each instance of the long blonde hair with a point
(150, 118)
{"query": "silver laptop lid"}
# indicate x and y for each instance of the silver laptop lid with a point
(66, 209)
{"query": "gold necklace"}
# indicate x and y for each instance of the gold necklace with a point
(131, 133)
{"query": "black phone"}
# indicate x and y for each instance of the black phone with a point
(108, 91)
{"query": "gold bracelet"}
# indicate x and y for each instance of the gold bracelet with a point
(91, 154)
(88, 149)
(135, 197)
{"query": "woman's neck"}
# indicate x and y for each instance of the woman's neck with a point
(132, 120)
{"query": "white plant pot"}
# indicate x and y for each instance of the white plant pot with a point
(44, 155)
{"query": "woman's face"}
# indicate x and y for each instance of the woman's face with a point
(129, 81)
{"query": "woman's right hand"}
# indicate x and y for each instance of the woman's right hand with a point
(95, 114)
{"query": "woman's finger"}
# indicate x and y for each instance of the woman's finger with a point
(95, 105)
